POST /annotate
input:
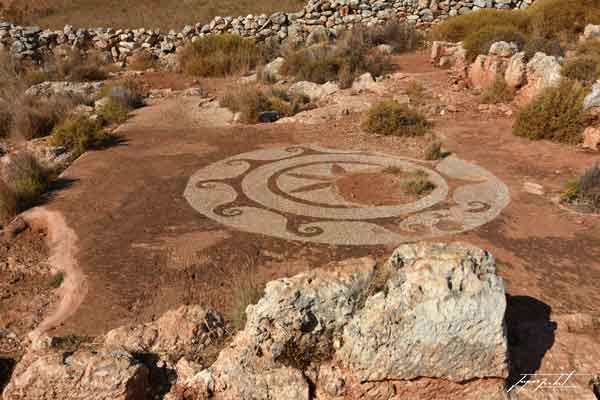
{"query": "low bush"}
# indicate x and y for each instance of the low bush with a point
(556, 114)
(585, 191)
(497, 92)
(480, 41)
(585, 69)
(563, 19)
(79, 133)
(27, 179)
(114, 112)
(416, 92)
(220, 55)
(251, 101)
(392, 118)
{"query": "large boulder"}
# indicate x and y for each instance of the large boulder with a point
(440, 315)
(430, 320)
(184, 331)
(82, 375)
(516, 71)
(592, 100)
(543, 72)
(272, 71)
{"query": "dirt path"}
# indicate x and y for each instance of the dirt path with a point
(143, 249)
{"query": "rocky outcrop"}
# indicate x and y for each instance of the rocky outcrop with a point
(487, 68)
(434, 311)
(543, 71)
(180, 332)
(84, 374)
(325, 16)
(312, 90)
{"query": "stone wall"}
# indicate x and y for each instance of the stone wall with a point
(331, 16)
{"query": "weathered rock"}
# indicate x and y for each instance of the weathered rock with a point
(503, 49)
(449, 55)
(268, 116)
(516, 71)
(186, 330)
(543, 72)
(366, 83)
(440, 315)
(82, 90)
(592, 100)
(487, 68)
(313, 91)
(590, 32)
(272, 71)
(591, 138)
(55, 375)
(295, 323)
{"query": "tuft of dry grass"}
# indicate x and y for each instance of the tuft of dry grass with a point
(8, 203)
(417, 183)
(27, 179)
(247, 290)
(142, 61)
(392, 118)
(434, 151)
(585, 190)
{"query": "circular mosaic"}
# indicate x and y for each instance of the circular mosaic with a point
(313, 194)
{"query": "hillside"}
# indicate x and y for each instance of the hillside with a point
(162, 14)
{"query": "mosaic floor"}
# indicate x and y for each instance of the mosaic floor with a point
(293, 193)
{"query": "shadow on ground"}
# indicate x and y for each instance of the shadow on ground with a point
(530, 335)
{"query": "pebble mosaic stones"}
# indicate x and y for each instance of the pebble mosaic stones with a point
(291, 193)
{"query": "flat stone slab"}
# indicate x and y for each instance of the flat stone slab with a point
(291, 193)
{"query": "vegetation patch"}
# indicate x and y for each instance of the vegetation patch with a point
(479, 42)
(220, 55)
(585, 191)
(251, 101)
(417, 183)
(26, 179)
(434, 151)
(497, 92)
(8, 203)
(56, 280)
(393, 118)
(79, 133)
(556, 114)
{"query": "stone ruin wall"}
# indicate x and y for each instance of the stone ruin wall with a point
(330, 16)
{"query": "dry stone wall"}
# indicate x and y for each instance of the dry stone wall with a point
(330, 16)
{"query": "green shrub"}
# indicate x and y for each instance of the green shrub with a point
(27, 179)
(480, 41)
(585, 69)
(556, 114)
(79, 133)
(220, 55)
(497, 92)
(392, 118)
(8, 203)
